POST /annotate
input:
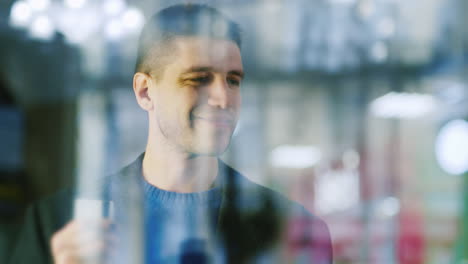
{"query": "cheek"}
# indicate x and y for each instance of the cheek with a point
(239, 99)
(177, 97)
(166, 106)
(184, 103)
(236, 100)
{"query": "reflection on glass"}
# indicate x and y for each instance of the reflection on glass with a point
(352, 111)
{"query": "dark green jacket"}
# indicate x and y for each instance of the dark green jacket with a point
(253, 219)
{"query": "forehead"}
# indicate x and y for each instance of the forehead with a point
(201, 51)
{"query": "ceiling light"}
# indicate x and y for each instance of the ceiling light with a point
(288, 156)
(386, 27)
(113, 7)
(75, 4)
(42, 28)
(114, 29)
(39, 5)
(451, 147)
(133, 19)
(402, 105)
(20, 14)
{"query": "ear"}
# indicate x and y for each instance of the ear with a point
(141, 85)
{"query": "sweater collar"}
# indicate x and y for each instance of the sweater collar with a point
(155, 194)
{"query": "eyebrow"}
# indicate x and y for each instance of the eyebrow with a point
(239, 73)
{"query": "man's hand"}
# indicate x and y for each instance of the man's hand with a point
(82, 242)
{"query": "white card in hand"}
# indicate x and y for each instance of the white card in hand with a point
(91, 209)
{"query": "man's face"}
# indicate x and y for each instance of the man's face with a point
(197, 98)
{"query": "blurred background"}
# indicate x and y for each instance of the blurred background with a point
(356, 109)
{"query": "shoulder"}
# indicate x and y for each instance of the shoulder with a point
(250, 193)
(49, 214)
(273, 214)
(130, 174)
(53, 211)
(249, 190)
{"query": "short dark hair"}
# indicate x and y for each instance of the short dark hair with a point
(181, 20)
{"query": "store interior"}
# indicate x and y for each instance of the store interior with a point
(356, 109)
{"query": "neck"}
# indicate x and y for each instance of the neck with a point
(170, 169)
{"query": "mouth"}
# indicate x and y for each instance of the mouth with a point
(215, 121)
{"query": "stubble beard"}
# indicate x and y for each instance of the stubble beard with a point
(193, 141)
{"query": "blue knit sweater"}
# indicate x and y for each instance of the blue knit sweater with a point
(180, 226)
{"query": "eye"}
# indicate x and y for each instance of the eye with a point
(233, 81)
(199, 80)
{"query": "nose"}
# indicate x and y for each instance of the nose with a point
(218, 94)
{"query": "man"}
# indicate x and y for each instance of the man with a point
(194, 208)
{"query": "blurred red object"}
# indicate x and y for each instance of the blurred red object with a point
(410, 242)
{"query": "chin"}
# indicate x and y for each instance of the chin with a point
(210, 144)
(213, 149)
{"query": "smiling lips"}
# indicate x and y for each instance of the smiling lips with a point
(216, 121)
